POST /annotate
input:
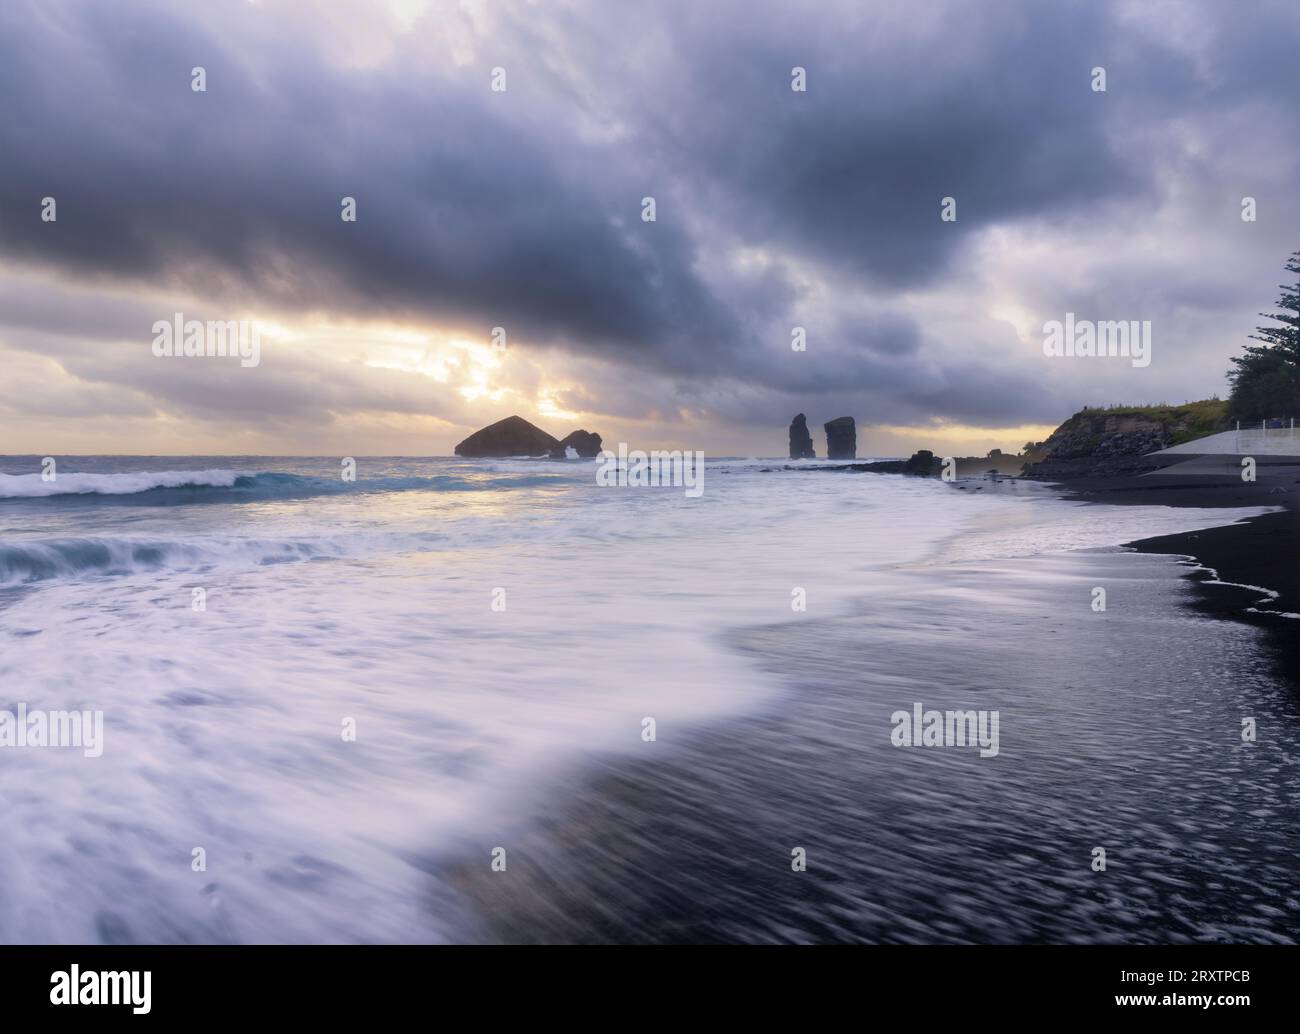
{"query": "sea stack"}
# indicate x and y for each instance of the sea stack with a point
(841, 439)
(801, 443)
(513, 436)
(585, 443)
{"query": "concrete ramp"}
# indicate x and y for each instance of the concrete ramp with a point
(1283, 468)
(1274, 441)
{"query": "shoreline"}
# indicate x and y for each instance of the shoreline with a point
(1247, 570)
(713, 815)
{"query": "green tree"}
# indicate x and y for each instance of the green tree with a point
(1266, 380)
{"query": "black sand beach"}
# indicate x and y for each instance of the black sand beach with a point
(1121, 732)
(1261, 552)
(1107, 741)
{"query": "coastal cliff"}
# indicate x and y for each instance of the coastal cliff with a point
(1114, 441)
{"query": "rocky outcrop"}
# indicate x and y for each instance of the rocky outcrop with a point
(1105, 434)
(585, 443)
(801, 443)
(513, 436)
(841, 439)
(1103, 443)
(1116, 441)
(922, 462)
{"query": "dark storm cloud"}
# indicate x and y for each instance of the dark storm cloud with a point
(998, 116)
(465, 215)
(521, 209)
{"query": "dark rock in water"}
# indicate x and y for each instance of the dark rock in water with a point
(922, 462)
(801, 443)
(585, 443)
(841, 439)
(513, 436)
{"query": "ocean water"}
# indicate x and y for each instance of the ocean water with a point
(370, 605)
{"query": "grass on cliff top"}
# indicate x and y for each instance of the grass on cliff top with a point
(1208, 416)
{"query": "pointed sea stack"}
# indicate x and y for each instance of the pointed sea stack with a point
(513, 436)
(841, 439)
(801, 443)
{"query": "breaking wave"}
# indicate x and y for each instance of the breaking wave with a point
(42, 560)
(172, 487)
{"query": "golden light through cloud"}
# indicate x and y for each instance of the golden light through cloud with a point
(547, 407)
(464, 380)
(472, 367)
(961, 436)
(461, 378)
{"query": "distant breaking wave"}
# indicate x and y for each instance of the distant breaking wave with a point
(42, 560)
(170, 487)
(29, 486)
(68, 558)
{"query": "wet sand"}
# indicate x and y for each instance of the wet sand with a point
(1261, 552)
(1119, 730)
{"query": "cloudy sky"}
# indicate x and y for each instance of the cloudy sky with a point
(522, 208)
